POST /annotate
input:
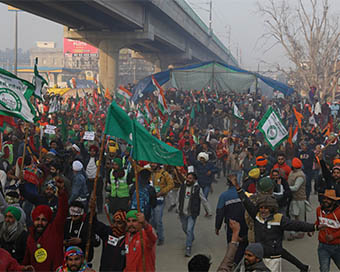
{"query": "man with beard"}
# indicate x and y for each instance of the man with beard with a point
(74, 260)
(113, 251)
(44, 247)
(329, 238)
(137, 226)
(76, 229)
(55, 172)
(332, 179)
(47, 198)
(13, 235)
(189, 199)
(269, 226)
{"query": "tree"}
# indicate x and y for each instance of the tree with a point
(310, 37)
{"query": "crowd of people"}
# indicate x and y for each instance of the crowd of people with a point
(47, 183)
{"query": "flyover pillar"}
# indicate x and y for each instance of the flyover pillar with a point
(109, 64)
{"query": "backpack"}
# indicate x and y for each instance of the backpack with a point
(144, 199)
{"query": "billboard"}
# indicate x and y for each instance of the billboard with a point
(10, 8)
(78, 47)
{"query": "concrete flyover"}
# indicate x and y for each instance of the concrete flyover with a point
(163, 31)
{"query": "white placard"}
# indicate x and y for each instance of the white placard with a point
(49, 131)
(88, 135)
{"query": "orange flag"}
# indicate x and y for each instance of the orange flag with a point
(107, 94)
(298, 116)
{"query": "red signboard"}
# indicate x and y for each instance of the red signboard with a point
(78, 47)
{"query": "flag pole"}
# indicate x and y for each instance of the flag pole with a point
(24, 152)
(134, 164)
(93, 198)
(40, 142)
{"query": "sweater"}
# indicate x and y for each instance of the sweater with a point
(331, 220)
(51, 240)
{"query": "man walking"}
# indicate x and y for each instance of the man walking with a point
(329, 239)
(163, 184)
(190, 197)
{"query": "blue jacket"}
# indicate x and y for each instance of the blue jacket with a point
(201, 171)
(230, 206)
(79, 187)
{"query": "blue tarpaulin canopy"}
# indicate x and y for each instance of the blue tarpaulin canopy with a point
(206, 74)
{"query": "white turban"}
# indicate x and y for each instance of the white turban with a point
(203, 155)
(77, 166)
(76, 147)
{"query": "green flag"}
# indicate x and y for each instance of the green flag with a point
(145, 146)
(148, 148)
(272, 128)
(192, 114)
(118, 123)
(15, 94)
(236, 112)
(165, 127)
(38, 82)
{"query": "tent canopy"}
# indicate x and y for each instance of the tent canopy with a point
(203, 75)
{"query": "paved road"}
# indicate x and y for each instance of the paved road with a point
(170, 256)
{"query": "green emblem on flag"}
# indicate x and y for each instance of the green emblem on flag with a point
(10, 100)
(272, 129)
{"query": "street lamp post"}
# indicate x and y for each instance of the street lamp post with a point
(16, 43)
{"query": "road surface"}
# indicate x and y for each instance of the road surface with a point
(170, 256)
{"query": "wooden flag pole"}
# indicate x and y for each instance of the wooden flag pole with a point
(134, 164)
(40, 142)
(24, 152)
(93, 198)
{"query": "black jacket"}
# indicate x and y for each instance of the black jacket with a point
(328, 182)
(113, 250)
(269, 231)
(194, 201)
(16, 248)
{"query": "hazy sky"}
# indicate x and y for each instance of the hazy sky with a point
(241, 16)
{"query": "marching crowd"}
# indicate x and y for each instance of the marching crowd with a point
(46, 184)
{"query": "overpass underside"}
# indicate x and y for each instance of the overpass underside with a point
(160, 30)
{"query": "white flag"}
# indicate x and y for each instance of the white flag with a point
(15, 94)
(237, 112)
(272, 128)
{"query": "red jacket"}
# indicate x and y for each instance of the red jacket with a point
(332, 220)
(8, 263)
(51, 240)
(134, 261)
(284, 167)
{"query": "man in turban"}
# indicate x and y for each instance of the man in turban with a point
(297, 184)
(13, 235)
(74, 260)
(44, 247)
(113, 253)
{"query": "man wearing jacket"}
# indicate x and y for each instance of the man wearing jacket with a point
(44, 249)
(189, 199)
(329, 239)
(229, 207)
(269, 226)
(163, 184)
(137, 226)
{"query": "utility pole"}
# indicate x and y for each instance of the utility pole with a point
(16, 44)
(210, 18)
